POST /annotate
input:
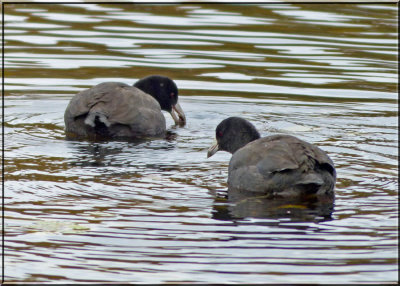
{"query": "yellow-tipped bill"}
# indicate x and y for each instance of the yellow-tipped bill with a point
(177, 114)
(213, 149)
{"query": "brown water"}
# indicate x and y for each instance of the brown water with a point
(156, 212)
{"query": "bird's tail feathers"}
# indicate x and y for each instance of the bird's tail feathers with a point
(91, 119)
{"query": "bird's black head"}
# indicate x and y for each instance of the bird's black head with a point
(162, 88)
(232, 134)
(165, 91)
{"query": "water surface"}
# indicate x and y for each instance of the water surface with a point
(156, 211)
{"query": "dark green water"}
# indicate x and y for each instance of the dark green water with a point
(155, 212)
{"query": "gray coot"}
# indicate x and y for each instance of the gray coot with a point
(273, 166)
(117, 110)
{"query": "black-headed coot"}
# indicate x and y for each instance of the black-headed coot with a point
(117, 110)
(273, 166)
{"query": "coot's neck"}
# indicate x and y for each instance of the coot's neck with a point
(245, 138)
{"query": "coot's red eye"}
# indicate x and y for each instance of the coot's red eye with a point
(219, 133)
(172, 95)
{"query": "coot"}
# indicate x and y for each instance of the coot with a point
(273, 166)
(117, 110)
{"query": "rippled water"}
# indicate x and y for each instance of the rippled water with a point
(156, 211)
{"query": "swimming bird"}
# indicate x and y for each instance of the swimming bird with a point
(117, 110)
(273, 166)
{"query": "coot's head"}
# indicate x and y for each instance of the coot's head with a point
(165, 91)
(232, 134)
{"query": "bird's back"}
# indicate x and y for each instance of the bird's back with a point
(281, 165)
(115, 110)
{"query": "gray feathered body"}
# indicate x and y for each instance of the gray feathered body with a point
(281, 165)
(115, 110)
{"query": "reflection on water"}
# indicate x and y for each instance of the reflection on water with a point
(259, 207)
(157, 211)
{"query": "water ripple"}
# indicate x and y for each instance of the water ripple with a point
(156, 211)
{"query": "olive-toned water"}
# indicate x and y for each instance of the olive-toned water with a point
(156, 211)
